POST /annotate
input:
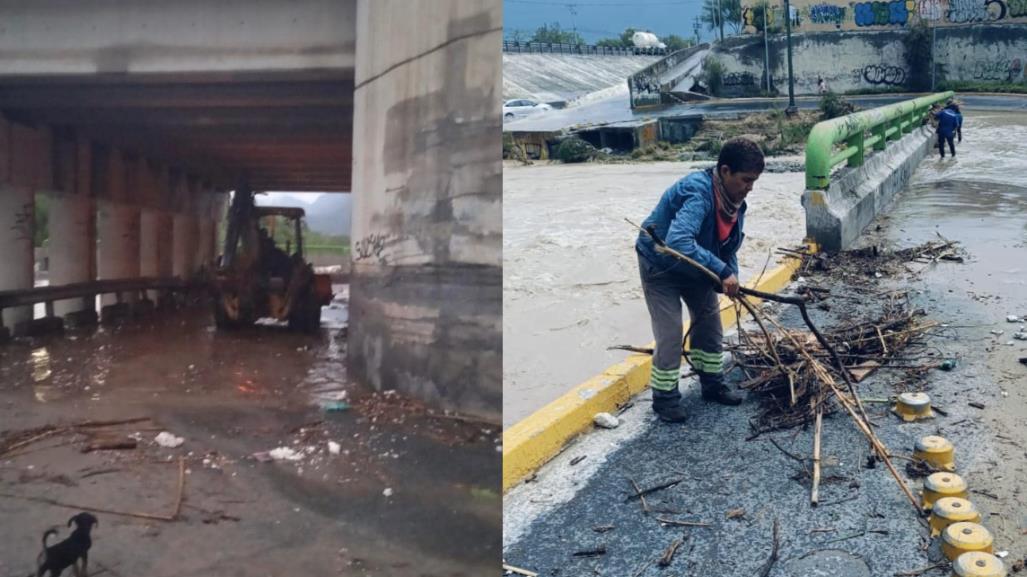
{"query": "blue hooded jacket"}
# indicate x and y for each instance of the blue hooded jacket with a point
(686, 219)
(949, 121)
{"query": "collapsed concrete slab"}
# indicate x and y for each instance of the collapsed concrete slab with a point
(835, 217)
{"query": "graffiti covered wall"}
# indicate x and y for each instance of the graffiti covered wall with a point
(872, 60)
(825, 15)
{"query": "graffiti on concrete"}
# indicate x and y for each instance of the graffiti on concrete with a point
(826, 14)
(883, 74)
(23, 222)
(645, 85)
(858, 14)
(371, 246)
(881, 13)
(961, 11)
(739, 80)
(930, 10)
(1002, 70)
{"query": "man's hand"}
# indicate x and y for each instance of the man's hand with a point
(731, 286)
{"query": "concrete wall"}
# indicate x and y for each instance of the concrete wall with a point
(829, 15)
(426, 293)
(863, 61)
(981, 54)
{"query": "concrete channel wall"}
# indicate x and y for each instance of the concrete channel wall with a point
(871, 60)
(426, 292)
(835, 217)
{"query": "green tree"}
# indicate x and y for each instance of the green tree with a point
(675, 42)
(625, 37)
(757, 18)
(553, 34)
(730, 12)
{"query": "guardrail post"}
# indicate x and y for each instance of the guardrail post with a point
(857, 141)
(878, 131)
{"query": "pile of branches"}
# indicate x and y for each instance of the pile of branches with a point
(787, 383)
(872, 262)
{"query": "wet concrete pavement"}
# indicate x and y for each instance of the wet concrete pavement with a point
(409, 492)
(977, 200)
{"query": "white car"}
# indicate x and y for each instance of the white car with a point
(522, 107)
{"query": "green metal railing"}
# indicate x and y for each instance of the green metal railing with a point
(859, 132)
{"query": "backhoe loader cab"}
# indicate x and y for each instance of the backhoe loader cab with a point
(262, 273)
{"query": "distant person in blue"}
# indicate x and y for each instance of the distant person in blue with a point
(950, 124)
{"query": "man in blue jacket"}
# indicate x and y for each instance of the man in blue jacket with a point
(700, 216)
(950, 123)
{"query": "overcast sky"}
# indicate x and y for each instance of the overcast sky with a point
(595, 19)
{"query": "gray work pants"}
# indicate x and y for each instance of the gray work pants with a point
(664, 293)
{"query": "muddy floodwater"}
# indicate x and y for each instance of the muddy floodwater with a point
(570, 275)
(291, 468)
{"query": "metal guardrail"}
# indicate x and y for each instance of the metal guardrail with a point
(859, 132)
(87, 290)
(644, 86)
(514, 46)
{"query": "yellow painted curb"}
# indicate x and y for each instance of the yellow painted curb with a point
(537, 438)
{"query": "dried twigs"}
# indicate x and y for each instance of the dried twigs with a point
(773, 552)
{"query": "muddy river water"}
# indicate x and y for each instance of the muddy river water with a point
(570, 275)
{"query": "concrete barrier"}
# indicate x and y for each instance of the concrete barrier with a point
(836, 216)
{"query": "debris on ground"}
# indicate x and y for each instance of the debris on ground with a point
(606, 421)
(284, 454)
(167, 440)
(787, 383)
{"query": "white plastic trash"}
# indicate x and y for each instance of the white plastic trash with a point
(285, 454)
(334, 448)
(166, 439)
(606, 421)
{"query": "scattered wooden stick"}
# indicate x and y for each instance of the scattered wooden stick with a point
(150, 516)
(653, 489)
(786, 452)
(773, 552)
(110, 445)
(815, 493)
(682, 523)
(519, 571)
(641, 495)
(594, 552)
(916, 572)
(668, 554)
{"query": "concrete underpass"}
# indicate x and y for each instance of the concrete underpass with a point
(135, 123)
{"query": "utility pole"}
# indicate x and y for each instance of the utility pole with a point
(934, 64)
(697, 26)
(791, 78)
(766, 45)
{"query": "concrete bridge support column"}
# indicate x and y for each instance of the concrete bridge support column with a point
(72, 250)
(185, 242)
(17, 213)
(426, 291)
(118, 256)
(149, 246)
(117, 226)
(72, 229)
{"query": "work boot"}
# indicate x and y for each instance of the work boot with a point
(667, 405)
(714, 389)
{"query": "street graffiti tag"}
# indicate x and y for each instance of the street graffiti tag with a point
(882, 74)
(998, 70)
(826, 14)
(371, 246)
(881, 13)
(929, 9)
(739, 79)
(967, 11)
